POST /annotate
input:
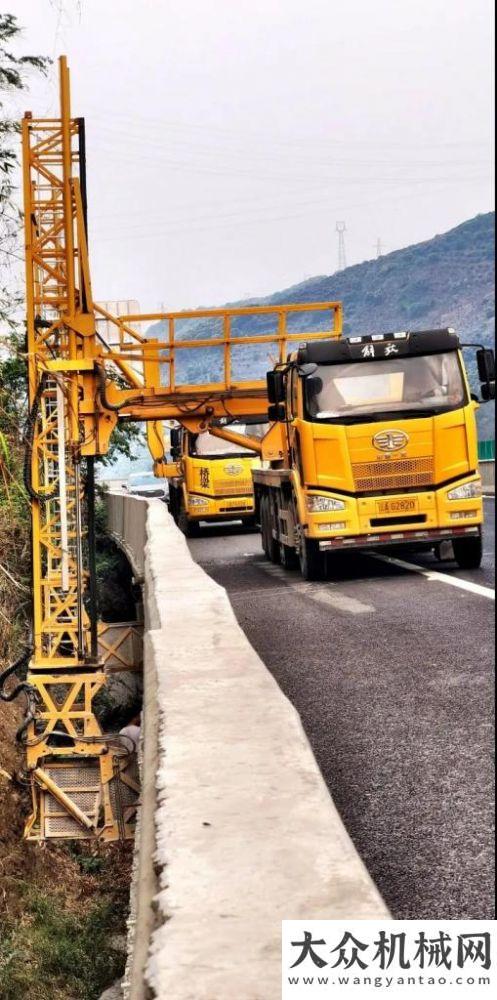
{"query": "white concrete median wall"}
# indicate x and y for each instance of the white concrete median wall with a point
(126, 522)
(245, 831)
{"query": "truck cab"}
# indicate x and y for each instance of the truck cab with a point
(379, 448)
(216, 476)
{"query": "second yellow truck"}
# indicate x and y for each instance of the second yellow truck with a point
(215, 481)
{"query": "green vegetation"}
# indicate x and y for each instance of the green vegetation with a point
(14, 511)
(13, 77)
(57, 952)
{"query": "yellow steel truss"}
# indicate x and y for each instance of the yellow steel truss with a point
(82, 784)
(64, 673)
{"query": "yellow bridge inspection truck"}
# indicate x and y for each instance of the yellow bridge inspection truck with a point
(215, 481)
(379, 445)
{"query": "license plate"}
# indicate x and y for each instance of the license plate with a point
(402, 505)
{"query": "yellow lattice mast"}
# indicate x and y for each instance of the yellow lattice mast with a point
(81, 779)
(72, 769)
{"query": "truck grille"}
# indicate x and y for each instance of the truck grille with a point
(231, 487)
(405, 473)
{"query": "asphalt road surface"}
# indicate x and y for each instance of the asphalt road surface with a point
(390, 669)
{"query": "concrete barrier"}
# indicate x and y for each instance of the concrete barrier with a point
(126, 519)
(245, 833)
(487, 472)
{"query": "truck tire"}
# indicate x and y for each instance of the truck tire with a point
(270, 545)
(173, 503)
(263, 524)
(468, 552)
(288, 556)
(189, 528)
(312, 564)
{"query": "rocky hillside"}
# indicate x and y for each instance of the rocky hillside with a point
(445, 281)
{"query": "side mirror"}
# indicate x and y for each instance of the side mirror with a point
(276, 413)
(175, 443)
(485, 361)
(275, 386)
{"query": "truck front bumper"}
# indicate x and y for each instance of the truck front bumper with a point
(221, 508)
(418, 517)
(416, 539)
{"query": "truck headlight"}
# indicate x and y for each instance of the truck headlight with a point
(317, 505)
(465, 492)
(197, 501)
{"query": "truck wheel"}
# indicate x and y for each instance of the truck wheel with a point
(468, 552)
(312, 565)
(173, 503)
(270, 545)
(263, 520)
(189, 528)
(262, 523)
(288, 556)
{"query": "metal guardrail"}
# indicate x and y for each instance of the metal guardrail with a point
(486, 451)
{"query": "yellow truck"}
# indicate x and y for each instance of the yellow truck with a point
(215, 480)
(373, 444)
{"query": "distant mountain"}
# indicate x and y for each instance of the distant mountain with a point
(445, 281)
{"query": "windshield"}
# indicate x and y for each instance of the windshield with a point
(427, 384)
(209, 446)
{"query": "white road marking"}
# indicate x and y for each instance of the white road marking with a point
(329, 595)
(340, 601)
(432, 574)
(273, 570)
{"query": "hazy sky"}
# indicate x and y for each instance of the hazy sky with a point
(225, 138)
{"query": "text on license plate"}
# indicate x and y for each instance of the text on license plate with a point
(398, 506)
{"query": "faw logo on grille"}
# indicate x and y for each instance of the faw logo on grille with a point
(390, 440)
(233, 469)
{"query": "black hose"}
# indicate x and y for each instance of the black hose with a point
(92, 566)
(22, 686)
(102, 393)
(30, 713)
